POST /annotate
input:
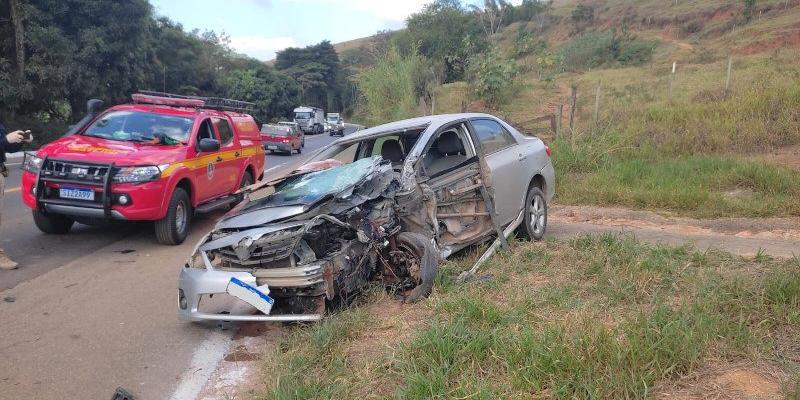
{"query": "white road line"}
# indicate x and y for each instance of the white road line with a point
(204, 362)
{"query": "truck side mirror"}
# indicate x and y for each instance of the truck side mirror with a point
(207, 145)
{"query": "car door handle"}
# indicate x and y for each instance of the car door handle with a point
(522, 157)
(236, 154)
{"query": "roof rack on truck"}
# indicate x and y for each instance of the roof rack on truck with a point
(214, 103)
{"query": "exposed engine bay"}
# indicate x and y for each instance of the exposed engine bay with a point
(320, 238)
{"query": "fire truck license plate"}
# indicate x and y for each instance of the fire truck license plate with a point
(76, 193)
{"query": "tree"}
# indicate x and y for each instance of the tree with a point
(316, 69)
(749, 9)
(491, 16)
(443, 32)
(19, 37)
(582, 16)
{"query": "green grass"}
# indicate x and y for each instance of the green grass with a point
(703, 186)
(598, 317)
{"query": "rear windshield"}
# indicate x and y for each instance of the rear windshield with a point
(276, 130)
(140, 126)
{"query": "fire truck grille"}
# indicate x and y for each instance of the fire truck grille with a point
(75, 171)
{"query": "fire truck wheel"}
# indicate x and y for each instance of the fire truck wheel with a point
(52, 223)
(174, 227)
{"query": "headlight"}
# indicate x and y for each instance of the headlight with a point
(137, 174)
(32, 163)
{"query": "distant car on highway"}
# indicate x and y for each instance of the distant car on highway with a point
(162, 158)
(285, 137)
(336, 124)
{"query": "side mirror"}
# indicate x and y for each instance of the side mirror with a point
(207, 145)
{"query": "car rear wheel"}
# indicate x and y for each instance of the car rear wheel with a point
(54, 224)
(535, 222)
(174, 227)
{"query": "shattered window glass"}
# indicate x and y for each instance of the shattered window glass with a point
(310, 188)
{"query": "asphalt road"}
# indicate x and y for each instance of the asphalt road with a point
(96, 309)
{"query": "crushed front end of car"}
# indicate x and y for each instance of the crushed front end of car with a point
(319, 239)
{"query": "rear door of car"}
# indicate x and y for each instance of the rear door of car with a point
(506, 165)
(229, 163)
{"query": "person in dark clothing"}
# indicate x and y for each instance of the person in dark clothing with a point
(9, 143)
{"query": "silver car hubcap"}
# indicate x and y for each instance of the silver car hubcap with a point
(180, 217)
(537, 214)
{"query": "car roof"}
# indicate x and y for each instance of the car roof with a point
(430, 121)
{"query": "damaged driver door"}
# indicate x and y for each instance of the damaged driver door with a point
(452, 169)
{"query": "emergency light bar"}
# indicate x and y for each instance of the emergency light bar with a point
(213, 103)
(166, 101)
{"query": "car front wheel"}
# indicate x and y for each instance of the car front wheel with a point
(52, 223)
(535, 222)
(174, 227)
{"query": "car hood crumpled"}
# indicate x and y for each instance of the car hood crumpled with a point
(329, 191)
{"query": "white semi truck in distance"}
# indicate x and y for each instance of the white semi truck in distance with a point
(310, 119)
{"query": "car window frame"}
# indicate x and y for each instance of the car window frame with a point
(420, 166)
(474, 128)
(197, 133)
(219, 133)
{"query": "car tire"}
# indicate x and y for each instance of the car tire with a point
(423, 250)
(303, 143)
(534, 224)
(247, 180)
(174, 227)
(53, 224)
(299, 149)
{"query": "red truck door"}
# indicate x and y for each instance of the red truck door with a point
(232, 166)
(208, 179)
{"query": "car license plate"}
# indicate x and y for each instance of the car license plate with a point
(272, 147)
(255, 296)
(76, 193)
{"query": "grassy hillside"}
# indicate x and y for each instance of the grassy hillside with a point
(695, 149)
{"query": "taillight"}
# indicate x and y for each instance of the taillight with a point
(547, 150)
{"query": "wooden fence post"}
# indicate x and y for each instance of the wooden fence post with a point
(728, 76)
(672, 80)
(559, 115)
(596, 107)
(573, 97)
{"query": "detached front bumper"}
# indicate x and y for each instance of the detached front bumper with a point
(194, 283)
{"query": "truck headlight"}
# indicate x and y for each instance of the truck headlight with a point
(32, 163)
(137, 174)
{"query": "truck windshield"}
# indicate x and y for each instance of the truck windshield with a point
(140, 126)
(302, 115)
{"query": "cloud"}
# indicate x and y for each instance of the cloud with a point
(392, 13)
(261, 47)
(262, 3)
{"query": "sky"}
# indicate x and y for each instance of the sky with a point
(259, 28)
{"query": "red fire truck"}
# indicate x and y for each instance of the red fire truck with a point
(161, 158)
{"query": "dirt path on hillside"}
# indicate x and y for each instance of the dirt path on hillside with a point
(778, 237)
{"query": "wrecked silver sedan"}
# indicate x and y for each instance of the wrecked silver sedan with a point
(386, 204)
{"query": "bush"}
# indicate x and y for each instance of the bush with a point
(595, 49)
(390, 87)
(491, 77)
